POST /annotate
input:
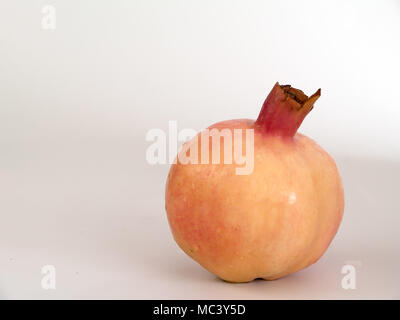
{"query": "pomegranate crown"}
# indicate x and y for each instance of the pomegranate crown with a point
(284, 110)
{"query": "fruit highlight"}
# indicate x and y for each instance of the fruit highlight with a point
(276, 220)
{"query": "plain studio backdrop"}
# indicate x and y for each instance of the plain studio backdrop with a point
(79, 90)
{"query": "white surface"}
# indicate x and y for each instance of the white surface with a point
(76, 103)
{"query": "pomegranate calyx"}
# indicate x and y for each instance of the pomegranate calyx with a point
(284, 110)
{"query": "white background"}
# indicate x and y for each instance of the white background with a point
(76, 103)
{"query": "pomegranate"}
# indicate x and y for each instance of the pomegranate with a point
(276, 220)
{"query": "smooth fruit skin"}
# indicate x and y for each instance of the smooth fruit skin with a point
(275, 221)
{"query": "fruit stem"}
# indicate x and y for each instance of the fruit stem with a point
(284, 110)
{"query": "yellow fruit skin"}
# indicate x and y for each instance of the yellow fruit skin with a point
(277, 220)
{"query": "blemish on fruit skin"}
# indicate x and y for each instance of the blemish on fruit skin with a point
(292, 198)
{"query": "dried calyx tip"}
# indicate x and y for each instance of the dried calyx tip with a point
(299, 96)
